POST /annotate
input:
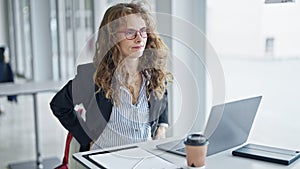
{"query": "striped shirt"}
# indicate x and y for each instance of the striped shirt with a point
(128, 123)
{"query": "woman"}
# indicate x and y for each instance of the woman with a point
(130, 83)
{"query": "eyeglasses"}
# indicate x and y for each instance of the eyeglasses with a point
(131, 34)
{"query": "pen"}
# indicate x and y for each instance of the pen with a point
(169, 162)
(164, 159)
(138, 163)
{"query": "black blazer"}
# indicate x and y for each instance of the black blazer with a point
(82, 90)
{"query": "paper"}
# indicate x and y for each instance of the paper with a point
(133, 158)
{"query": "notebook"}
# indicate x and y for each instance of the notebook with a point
(267, 153)
(132, 157)
(234, 121)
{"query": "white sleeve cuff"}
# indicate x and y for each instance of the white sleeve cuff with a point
(164, 125)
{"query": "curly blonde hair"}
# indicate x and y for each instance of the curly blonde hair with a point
(107, 58)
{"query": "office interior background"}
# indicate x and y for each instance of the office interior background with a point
(257, 45)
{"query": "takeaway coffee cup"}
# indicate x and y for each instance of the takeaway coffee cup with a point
(196, 148)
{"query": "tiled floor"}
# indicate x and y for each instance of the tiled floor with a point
(277, 80)
(17, 139)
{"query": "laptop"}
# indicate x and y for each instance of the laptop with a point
(234, 121)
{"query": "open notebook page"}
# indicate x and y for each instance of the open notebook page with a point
(133, 158)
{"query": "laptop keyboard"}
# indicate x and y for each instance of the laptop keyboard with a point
(181, 150)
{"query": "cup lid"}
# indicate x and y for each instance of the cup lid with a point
(195, 140)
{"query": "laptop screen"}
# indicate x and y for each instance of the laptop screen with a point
(234, 125)
(228, 126)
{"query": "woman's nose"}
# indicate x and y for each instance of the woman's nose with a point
(138, 37)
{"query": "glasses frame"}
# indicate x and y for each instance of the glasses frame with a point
(135, 34)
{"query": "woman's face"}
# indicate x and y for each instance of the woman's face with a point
(133, 37)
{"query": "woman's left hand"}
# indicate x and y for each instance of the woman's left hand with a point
(160, 133)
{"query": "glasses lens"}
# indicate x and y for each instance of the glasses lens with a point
(144, 33)
(130, 34)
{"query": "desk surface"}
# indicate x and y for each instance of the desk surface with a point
(216, 161)
(29, 87)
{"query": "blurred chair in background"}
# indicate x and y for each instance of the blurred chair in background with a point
(6, 73)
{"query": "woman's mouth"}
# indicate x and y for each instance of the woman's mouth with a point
(137, 47)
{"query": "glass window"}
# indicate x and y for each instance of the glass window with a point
(71, 26)
(258, 46)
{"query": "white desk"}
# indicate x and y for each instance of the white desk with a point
(33, 88)
(217, 161)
